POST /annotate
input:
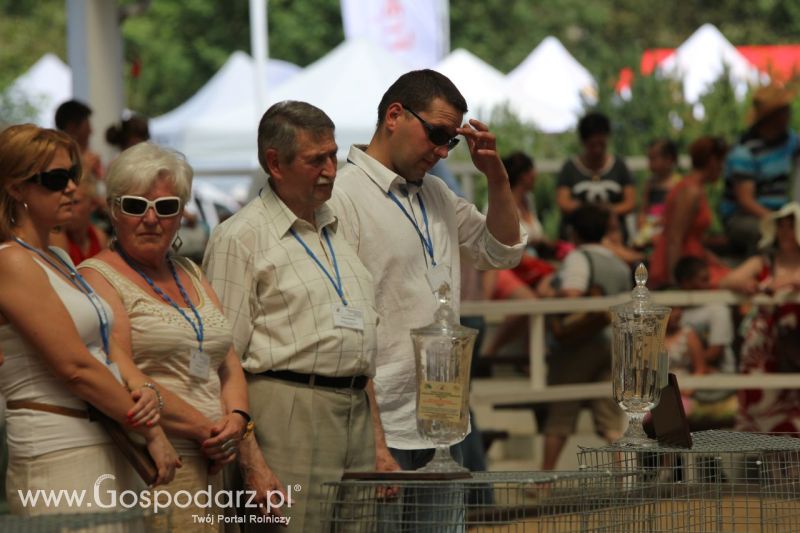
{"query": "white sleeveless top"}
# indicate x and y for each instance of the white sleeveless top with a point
(163, 341)
(25, 376)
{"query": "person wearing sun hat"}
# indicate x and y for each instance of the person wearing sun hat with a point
(770, 332)
(760, 168)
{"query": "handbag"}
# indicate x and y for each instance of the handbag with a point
(136, 454)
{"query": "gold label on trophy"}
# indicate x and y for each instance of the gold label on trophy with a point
(440, 400)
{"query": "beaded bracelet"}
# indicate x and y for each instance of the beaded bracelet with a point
(153, 387)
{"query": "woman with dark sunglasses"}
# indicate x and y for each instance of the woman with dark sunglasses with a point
(171, 321)
(53, 332)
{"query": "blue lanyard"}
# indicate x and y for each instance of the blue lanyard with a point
(337, 283)
(198, 328)
(426, 243)
(80, 283)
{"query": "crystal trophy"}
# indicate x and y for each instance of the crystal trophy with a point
(639, 363)
(443, 354)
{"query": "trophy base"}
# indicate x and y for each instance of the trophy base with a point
(635, 436)
(442, 462)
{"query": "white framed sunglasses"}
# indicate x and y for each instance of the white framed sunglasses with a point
(136, 206)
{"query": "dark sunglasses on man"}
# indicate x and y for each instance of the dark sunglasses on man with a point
(56, 179)
(436, 134)
(136, 206)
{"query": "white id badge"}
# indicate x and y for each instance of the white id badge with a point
(115, 370)
(345, 316)
(437, 276)
(199, 365)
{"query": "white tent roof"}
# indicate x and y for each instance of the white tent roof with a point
(483, 86)
(701, 60)
(547, 88)
(46, 85)
(204, 128)
(347, 84)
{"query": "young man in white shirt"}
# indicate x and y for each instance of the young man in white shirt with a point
(408, 229)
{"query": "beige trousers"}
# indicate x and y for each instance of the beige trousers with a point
(310, 435)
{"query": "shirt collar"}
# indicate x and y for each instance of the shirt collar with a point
(384, 178)
(283, 219)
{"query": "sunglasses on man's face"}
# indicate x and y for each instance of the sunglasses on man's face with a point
(436, 134)
(56, 179)
(136, 206)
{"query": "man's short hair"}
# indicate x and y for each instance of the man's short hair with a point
(666, 148)
(71, 112)
(417, 89)
(594, 123)
(279, 126)
(688, 267)
(590, 222)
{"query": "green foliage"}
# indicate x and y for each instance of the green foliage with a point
(28, 31)
(180, 45)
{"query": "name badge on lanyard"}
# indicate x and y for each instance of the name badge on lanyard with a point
(199, 365)
(345, 316)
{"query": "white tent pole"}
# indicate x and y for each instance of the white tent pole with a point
(259, 44)
(445, 22)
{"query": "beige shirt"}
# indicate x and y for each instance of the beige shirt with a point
(278, 299)
(392, 250)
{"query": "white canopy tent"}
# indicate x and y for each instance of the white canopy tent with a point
(483, 86)
(46, 85)
(549, 87)
(205, 127)
(702, 59)
(347, 84)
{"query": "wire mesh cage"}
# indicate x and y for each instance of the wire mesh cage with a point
(546, 502)
(727, 481)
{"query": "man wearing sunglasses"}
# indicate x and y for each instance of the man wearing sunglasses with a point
(409, 230)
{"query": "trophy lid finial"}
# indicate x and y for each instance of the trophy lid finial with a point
(640, 294)
(444, 314)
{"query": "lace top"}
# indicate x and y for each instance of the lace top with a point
(163, 340)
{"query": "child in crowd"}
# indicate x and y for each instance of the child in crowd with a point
(662, 158)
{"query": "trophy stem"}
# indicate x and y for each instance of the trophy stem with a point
(443, 462)
(635, 434)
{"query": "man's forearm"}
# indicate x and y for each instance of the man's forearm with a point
(377, 426)
(502, 217)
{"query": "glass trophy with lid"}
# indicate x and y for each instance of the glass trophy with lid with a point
(639, 363)
(443, 354)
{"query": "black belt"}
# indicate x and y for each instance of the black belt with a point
(315, 380)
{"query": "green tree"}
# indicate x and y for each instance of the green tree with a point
(29, 30)
(180, 45)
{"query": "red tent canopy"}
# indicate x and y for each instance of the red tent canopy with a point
(781, 62)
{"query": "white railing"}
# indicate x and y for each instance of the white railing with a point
(506, 391)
